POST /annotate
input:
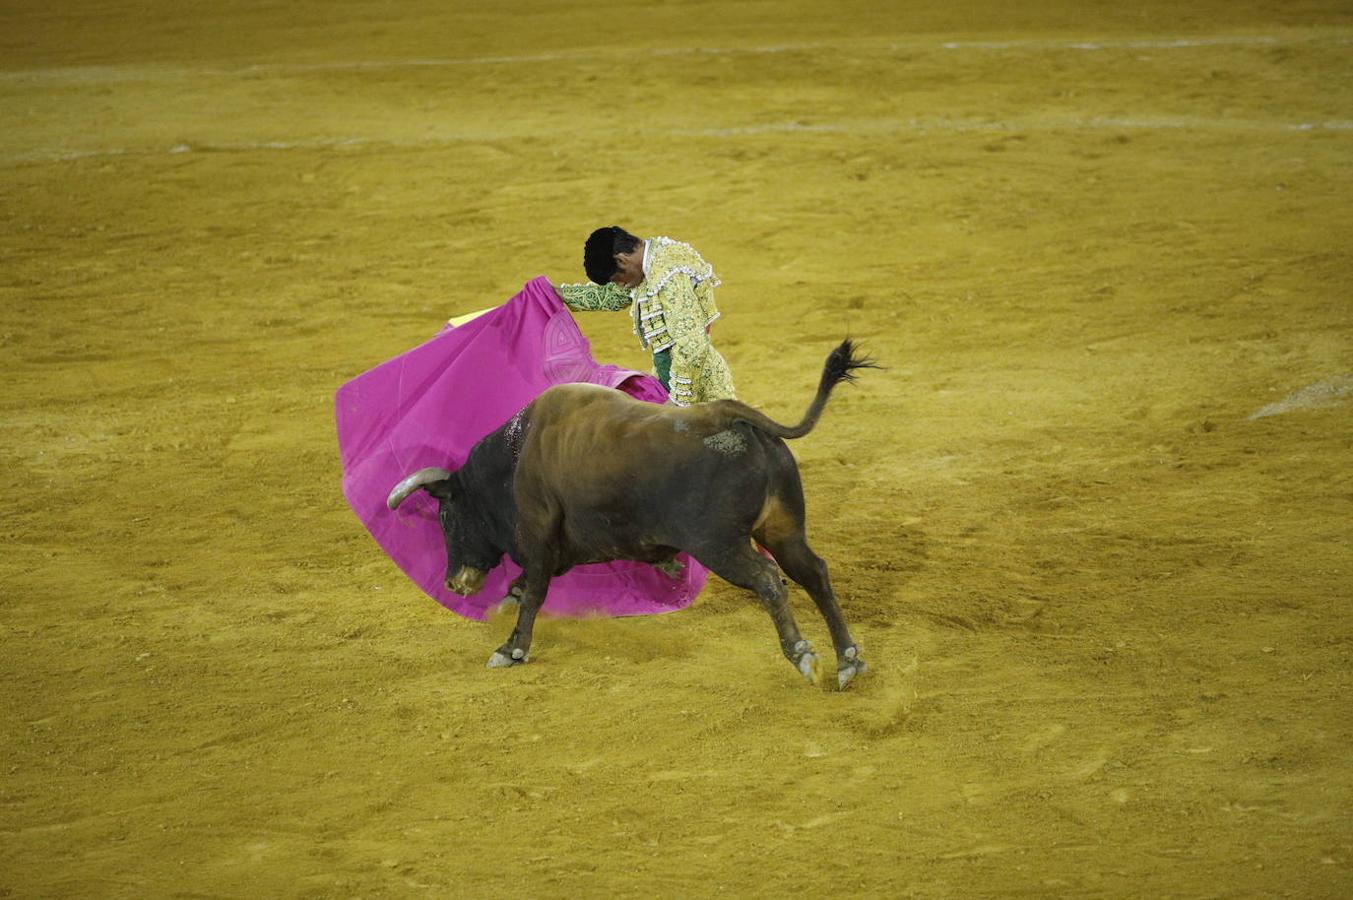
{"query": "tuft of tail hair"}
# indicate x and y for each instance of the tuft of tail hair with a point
(842, 364)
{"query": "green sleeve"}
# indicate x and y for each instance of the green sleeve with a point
(593, 297)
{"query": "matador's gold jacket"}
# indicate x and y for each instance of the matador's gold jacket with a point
(672, 309)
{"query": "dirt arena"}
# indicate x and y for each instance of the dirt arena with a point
(1092, 525)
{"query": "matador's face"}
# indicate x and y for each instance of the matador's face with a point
(629, 268)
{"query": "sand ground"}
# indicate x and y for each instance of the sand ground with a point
(1105, 604)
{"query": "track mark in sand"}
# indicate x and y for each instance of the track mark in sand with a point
(1033, 123)
(1322, 393)
(977, 852)
(879, 127)
(818, 822)
(682, 775)
(946, 619)
(1043, 738)
(1091, 767)
(108, 74)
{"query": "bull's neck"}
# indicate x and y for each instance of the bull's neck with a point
(485, 481)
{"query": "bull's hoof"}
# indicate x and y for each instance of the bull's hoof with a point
(849, 667)
(810, 668)
(500, 660)
(806, 662)
(846, 674)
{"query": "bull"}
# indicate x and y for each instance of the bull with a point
(587, 474)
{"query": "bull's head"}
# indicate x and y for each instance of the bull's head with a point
(469, 554)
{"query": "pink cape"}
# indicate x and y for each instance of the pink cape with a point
(431, 405)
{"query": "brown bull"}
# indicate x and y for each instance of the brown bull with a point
(586, 474)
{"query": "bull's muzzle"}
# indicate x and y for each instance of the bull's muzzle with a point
(466, 581)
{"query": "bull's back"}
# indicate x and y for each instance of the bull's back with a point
(599, 443)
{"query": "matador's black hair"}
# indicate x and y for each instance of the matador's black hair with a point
(600, 250)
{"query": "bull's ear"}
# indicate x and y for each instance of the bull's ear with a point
(424, 478)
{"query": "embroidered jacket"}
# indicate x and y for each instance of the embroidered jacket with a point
(671, 309)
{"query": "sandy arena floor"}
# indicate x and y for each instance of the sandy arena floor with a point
(1092, 525)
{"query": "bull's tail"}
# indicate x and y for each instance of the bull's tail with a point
(840, 366)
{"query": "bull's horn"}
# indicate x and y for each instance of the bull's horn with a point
(413, 483)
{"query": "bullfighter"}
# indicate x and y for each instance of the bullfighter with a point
(669, 289)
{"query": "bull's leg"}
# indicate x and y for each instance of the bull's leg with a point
(538, 537)
(740, 565)
(516, 649)
(807, 569)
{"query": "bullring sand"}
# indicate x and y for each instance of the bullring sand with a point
(1104, 594)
